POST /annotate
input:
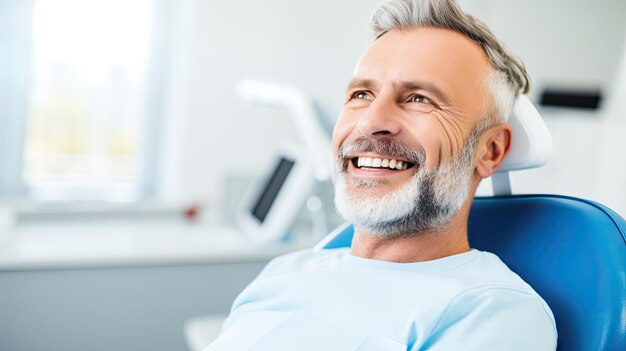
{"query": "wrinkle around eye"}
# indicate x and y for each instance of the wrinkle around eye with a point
(421, 108)
(453, 131)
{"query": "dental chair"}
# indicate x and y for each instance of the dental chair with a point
(571, 251)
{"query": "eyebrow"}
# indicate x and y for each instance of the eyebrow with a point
(370, 84)
(362, 83)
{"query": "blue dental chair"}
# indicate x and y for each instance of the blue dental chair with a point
(571, 251)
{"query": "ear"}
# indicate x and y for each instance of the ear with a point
(494, 146)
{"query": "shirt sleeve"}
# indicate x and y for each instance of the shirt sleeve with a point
(494, 319)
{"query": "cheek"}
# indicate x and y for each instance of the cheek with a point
(433, 137)
(342, 130)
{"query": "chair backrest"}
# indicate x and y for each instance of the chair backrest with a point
(571, 251)
(531, 144)
(531, 141)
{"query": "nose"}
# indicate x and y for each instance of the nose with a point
(379, 119)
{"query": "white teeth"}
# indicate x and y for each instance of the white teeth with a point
(375, 162)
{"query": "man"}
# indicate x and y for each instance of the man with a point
(424, 120)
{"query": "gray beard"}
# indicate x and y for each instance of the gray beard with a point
(426, 203)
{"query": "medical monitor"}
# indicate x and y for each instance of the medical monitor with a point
(272, 188)
(272, 203)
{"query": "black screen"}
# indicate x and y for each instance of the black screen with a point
(271, 189)
(571, 98)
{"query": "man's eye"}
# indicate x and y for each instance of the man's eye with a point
(420, 99)
(360, 95)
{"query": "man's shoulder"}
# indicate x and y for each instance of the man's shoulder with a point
(492, 283)
(489, 270)
(489, 296)
(499, 314)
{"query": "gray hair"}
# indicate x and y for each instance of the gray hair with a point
(508, 78)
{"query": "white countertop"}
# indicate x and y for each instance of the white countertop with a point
(88, 244)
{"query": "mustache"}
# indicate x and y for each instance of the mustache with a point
(387, 147)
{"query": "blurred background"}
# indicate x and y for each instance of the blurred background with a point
(125, 149)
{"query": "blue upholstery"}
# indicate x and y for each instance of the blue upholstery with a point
(571, 251)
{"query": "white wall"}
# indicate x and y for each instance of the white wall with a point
(314, 45)
(562, 42)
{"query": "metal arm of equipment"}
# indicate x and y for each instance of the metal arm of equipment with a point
(307, 122)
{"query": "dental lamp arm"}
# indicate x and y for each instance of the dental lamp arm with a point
(307, 124)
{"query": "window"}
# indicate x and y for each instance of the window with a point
(90, 116)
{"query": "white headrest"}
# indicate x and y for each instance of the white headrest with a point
(532, 143)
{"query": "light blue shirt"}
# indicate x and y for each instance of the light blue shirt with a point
(332, 300)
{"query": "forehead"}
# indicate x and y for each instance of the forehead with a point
(449, 59)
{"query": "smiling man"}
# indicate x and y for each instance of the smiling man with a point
(424, 120)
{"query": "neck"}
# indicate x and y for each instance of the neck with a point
(415, 247)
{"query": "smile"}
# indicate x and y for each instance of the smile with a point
(384, 163)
